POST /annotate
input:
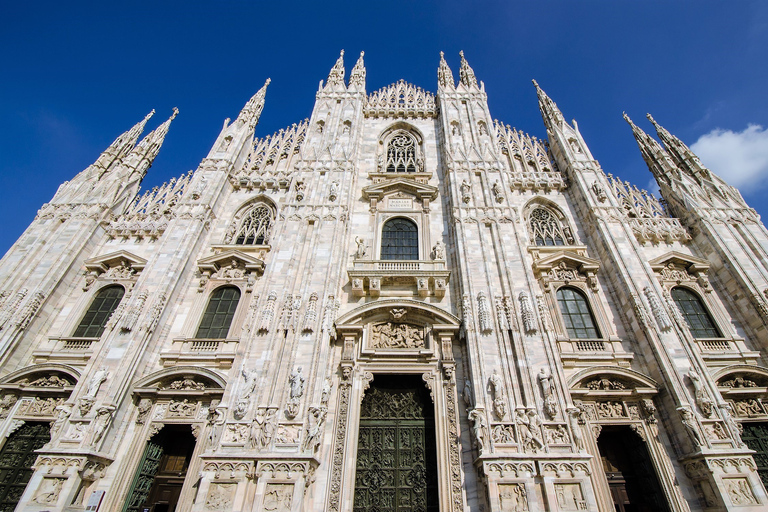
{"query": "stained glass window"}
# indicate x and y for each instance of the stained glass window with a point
(399, 240)
(546, 228)
(255, 226)
(401, 153)
(95, 319)
(219, 313)
(577, 316)
(697, 317)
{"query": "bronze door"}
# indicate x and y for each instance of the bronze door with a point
(16, 459)
(396, 460)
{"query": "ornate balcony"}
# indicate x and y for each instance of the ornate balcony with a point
(370, 276)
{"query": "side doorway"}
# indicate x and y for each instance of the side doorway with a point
(629, 470)
(162, 471)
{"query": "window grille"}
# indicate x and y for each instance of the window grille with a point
(697, 317)
(545, 228)
(576, 314)
(255, 226)
(219, 313)
(401, 154)
(399, 240)
(95, 319)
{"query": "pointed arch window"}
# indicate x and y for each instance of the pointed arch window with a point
(255, 227)
(576, 313)
(695, 314)
(95, 319)
(546, 229)
(399, 240)
(401, 153)
(219, 313)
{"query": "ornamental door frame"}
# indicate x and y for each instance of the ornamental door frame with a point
(397, 337)
(180, 395)
(613, 396)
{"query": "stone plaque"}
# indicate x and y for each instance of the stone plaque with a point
(400, 204)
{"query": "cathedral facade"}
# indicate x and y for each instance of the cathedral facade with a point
(398, 304)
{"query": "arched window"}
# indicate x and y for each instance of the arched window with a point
(697, 317)
(219, 313)
(546, 228)
(255, 226)
(399, 240)
(95, 319)
(577, 316)
(401, 153)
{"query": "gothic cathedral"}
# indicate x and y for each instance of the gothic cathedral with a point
(398, 304)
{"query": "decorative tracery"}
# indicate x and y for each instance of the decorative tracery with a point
(255, 226)
(401, 153)
(546, 228)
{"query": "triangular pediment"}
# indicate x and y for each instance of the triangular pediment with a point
(405, 185)
(225, 259)
(680, 260)
(125, 259)
(570, 259)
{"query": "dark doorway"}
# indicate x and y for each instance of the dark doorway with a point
(162, 470)
(396, 451)
(629, 471)
(755, 435)
(16, 459)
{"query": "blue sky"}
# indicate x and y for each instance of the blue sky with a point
(77, 74)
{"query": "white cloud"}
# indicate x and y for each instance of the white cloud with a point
(740, 158)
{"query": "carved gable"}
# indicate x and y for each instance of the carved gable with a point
(565, 267)
(384, 195)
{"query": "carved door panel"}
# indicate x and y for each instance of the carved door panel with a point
(16, 459)
(755, 435)
(396, 459)
(145, 476)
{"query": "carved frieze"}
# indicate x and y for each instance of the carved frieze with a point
(391, 335)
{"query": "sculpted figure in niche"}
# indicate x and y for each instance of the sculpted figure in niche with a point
(360, 253)
(438, 251)
(467, 394)
(689, 422)
(296, 380)
(496, 388)
(479, 429)
(95, 383)
(392, 335)
(250, 382)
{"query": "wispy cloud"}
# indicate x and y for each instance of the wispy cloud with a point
(740, 158)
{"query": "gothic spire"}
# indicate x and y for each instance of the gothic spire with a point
(681, 154)
(444, 74)
(130, 137)
(150, 145)
(336, 76)
(121, 146)
(654, 155)
(549, 110)
(252, 110)
(466, 74)
(357, 76)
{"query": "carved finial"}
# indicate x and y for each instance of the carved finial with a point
(357, 76)
(146, 118)
(252, 110)
(336, 76)
(466, 74)
(175, 113)
(444, 74)
(627, 119)
(549, 111)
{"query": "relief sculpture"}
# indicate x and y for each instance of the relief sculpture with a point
(397, 335)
